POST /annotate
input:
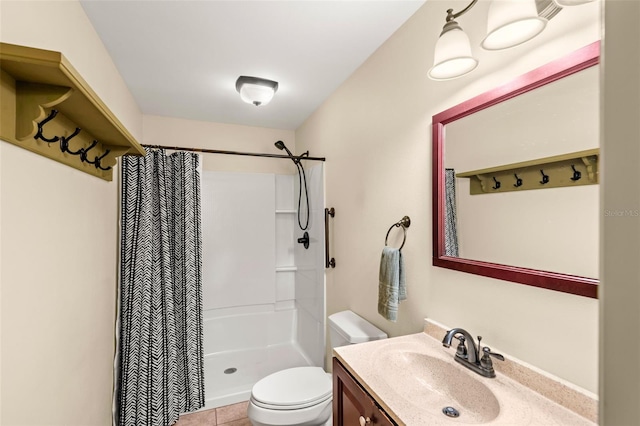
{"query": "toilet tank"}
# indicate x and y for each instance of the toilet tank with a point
(348, 328)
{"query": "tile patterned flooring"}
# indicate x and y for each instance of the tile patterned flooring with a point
(230, 415)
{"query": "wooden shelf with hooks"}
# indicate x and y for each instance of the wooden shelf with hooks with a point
(573, 169)
(84, 133)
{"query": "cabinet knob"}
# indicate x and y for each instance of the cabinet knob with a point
(364, 421)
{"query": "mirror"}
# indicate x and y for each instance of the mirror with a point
(522, 162)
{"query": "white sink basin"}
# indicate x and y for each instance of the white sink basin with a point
(432, 384)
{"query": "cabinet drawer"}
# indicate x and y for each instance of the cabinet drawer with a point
(352, 405)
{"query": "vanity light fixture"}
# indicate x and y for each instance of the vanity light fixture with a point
(256, 91)
(563, 3)
(452, 57)
(509, 23)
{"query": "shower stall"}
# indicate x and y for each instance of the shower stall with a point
(263, 292)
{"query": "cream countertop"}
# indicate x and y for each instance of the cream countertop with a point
(406, 398)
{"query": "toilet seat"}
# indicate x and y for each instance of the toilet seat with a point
(293, 389)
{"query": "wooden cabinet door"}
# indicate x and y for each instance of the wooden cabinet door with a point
(352, 405)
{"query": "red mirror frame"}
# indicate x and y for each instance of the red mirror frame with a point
(577, 61)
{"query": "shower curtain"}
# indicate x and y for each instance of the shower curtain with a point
(450, 229)
(160, 358)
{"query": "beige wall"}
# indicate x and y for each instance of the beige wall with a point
(620, 250)
(169, 131)
(375, 132)
(59, 246)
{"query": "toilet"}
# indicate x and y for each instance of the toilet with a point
(302, 396)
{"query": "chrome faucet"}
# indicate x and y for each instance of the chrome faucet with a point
(469, 356)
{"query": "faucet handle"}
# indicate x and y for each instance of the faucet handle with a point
(461, 350)
(487, 351)
(485, 361)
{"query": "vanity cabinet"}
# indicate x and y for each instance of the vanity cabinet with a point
(352, 405)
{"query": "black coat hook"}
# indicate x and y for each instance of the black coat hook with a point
(64, 141)
(576, 174)
(497, 185)
(96, 161)
(83, 152)
(545, 178)
(518, 181)
(41, 124)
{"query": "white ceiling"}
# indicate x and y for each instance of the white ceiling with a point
(181, 58)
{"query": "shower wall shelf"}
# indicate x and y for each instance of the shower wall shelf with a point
(573, 169)
(49, 109)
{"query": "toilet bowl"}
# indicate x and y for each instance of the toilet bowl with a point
(295, 396)
(302, 396)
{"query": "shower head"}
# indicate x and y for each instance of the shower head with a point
(280, 145)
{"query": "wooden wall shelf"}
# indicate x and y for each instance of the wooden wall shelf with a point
(84, 133)
(574, 169)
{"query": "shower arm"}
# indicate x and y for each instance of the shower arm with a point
(301, 157)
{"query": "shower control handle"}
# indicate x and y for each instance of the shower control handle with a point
(304, 240)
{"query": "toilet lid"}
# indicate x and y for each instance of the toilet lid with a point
(294, 387)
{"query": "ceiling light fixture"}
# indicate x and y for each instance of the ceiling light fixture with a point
(256, 91)
(509, 23)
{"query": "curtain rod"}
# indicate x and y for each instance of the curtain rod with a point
(217, 151)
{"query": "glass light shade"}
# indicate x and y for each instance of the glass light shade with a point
(563, 3)
(256, 94)
(452, 57)
(512, 22)
(256, 91)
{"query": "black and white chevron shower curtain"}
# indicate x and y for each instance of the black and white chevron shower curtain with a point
(450, 213)
(160, 340)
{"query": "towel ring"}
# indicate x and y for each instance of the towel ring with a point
(405, 222)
